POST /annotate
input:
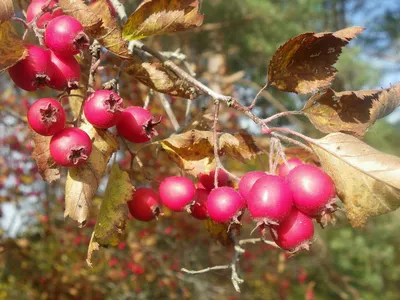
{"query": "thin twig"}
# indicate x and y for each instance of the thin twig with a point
(215, 142)
(170, 113)
(253, 103)
(222, 267)
(281, 114)
(120, 10)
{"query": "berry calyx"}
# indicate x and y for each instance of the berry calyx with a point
(36, 7)
(295, 232)
(269, 200)
(224, 204)
(64, 73)
(137, 124)
(145, 204)
(46, 116)
(103, 108)
(71, 147)
(31, 73)
(247, 182)
(199, 208)
(207, 180)
(313, 190)
(285, 168)
(65, 36)
(176, 192)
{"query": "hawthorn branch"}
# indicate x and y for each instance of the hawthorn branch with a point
(120, 10)
(167, 107)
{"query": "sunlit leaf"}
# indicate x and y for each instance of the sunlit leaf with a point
(6, 10)
(82, 12)
(12, 49)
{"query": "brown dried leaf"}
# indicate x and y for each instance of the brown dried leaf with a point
(48, 169)
(239, 146)
(351, 112)
(304, 64)
(219, 232)
(82, 12)
(82, 182)
(366, 180)
(12, 49)
(302, 154)
(6, 10)
(154, 17)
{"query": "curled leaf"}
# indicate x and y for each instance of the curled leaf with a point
(351, 112)
(304, 64)
(366, 180)
(12, 49)
(154, 17)
(6, 10)
(48, 169)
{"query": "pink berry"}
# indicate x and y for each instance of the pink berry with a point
(71, 147)
(224, 204)
(103, 108)
(199, 208)
(269, 200)
(313, 189)
(31, 73)
(207, 180)
(65, 36)
(292, 163)
(36, 7)
(247, 182)
(145, 204)
(64, 72)
(176, 192)
(136, 125)
(46, 116)
(295, 232)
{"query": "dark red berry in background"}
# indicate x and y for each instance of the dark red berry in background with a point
(71, 147)
(64, 72)
(31, 73)
(145, 204)
(199, 208)
(292, 163)
(176, 192)
(224, 204)
(36, 7)
(270, 200)
(207, 180)
(313, 190)
(46, 116)
(136, 125)
(247, 181)
(65, 36)
(103, 108)
(295, 232)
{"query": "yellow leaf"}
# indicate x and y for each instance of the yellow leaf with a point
(12, 49)
(218, 231)
(6, 10)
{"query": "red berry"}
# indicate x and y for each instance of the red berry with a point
(269, 200)
(295, 232)
(46, 116)
(292, 163)
(313, 189)
(247, 182)
(176, 192)
(64, 72)
(145, 204)
(224, 204)
(199, 207)
(136, 124)
(65, 36)
(71, 147)
(103, 108)
(31, 73)
(207, 180)
(36, 7)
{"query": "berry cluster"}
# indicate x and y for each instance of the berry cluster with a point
(285, 203)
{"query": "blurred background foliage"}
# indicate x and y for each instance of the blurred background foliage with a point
(43, 256)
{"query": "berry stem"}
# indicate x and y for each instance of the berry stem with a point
(281, 114)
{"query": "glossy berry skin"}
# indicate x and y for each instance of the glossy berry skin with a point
(176, 192)
(145, 204)
(270, 200)
(313, 189)
(136, 125)
(31, 73)
(36, 7)
(65, 36)
(64, 72)
(199, 208)
(71, 147)
(247, 181)
(207, 180)
(295, 232)
(103, 108)
(292, 163)
(224, 204)
(46, 116)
